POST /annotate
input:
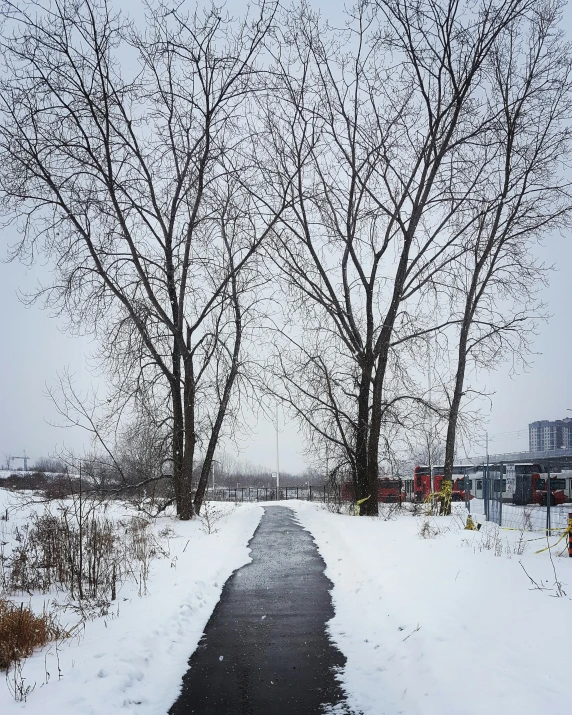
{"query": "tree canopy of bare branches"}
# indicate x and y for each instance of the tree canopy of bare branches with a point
(386, 125)
(124, 159)
(379, 185)
(497, 280)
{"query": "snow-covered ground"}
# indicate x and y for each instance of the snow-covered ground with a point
(5, 473)
(446, 625)
(133, 660)
(449, 624)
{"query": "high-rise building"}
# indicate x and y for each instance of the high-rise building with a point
(567, 432)
(546, 434)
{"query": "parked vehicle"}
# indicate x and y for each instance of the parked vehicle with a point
(389, 491)
(461, 481)
(517, 482)
(421, 483)
(533, 489)
(426, 481)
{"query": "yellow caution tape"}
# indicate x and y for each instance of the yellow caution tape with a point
(471, 526)
(567, 531)
(445, 495)
(516, 528)
(355, 507)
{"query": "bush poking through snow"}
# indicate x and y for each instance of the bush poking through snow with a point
(390, 511)
(22, 631)
(210, 514)
(415, 508)
(428, 529)
(521, 546)
(79, 552)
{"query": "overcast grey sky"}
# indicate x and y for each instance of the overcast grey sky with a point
(35, 348)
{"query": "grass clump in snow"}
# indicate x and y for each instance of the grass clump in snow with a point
(428, 529)
(210, 515)
(76, 549)
(389, 511)
(22, 631)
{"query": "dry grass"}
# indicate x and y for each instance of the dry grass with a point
(22, 631)
(209, 516)
(428, 529)
(78, 551)
(389, 511)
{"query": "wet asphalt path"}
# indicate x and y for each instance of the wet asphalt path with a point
(265, 649)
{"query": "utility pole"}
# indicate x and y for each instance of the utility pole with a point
(487, 447)
(486, 479)
(277, 458)
(213, 472)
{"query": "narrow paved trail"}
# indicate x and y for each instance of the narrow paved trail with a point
(265, 650)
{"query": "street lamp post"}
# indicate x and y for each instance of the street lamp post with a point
(277, 458)
(212, 467)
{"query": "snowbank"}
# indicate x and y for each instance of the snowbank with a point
(133, 660)
(443, 625)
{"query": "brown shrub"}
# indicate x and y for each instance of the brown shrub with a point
(22, 631)
(78, 551)
(25, 481)
(59, 487)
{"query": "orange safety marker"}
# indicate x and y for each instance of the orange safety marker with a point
(570, 535)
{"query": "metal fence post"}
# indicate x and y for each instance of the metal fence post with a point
(486, 492)
(467, 493)
(548, 500)
(570, 535)
(502, 480)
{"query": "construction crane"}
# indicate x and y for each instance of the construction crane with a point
(24, 458)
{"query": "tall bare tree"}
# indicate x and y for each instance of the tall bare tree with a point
(123, 159)
(496, 282)
(378, 122)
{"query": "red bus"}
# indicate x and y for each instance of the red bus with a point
(422, 485)
(532, 487)
(461, 472)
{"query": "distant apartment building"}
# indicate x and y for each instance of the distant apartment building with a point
(550, 434)
(567, 432)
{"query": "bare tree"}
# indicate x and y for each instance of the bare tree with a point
(378, 123)
(123, 457)
(123, 154)
(496, 282)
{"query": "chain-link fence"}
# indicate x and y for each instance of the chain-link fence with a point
(254, 494)
(542, 517)
(390, 491)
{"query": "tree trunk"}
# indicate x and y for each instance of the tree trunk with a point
(457, 393)
(371, 507)
(361, 486)
(189, 439)
(181, 470)
(177, 440)
(213, 441)
(382, 348)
